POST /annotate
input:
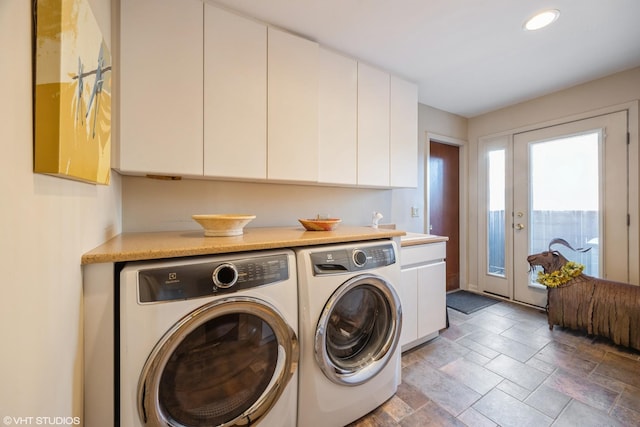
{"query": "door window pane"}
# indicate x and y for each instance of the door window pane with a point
(496, 219)
(565, 197)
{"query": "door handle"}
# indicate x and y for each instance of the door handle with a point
(519, 226)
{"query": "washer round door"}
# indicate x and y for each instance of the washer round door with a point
(358, 330)
(225, 363)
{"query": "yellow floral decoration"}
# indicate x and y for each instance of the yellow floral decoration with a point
(559, 277)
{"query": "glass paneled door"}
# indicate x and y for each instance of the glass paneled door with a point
(568, 181)
(496, 254)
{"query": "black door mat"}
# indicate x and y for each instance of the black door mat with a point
(468, 302)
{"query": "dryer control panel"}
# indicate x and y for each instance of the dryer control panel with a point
(352, 259)
(210, 278)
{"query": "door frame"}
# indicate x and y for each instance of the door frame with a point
(633, 113)
(463, 192)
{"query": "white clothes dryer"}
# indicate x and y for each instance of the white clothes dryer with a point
(350, 321)
(209, 341)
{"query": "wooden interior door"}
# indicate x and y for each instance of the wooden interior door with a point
(444, 204)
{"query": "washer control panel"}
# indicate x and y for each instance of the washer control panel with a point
(210, 278)
(352, 259)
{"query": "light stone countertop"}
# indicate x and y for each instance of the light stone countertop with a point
(413, 239)
(170, 244)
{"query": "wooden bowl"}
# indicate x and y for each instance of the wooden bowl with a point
(325, 224)
(223, 224)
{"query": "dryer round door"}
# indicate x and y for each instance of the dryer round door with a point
(225, 363)
(358, 330)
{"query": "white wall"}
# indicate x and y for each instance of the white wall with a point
(613, 90)
(154, 205)
(46, 224)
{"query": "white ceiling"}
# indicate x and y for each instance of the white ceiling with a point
(469, 57)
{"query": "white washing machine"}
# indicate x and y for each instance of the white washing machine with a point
(209, 341)
(350, 321)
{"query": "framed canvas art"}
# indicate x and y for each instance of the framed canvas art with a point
(72, 128)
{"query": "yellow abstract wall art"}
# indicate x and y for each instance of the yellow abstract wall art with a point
(72, 93)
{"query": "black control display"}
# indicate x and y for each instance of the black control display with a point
(353, 259)
(210, 278)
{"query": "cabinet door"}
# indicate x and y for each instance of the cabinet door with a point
(373, 126)
(292, 129)
(408, 292)
(337, 118)
(161, 84)
(403, 131)
(432, 298)
(235, 96)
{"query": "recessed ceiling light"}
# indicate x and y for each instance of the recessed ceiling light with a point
(541, 20)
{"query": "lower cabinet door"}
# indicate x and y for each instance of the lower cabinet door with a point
(432, 304)
(408, 299)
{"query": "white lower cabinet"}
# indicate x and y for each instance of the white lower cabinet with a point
(422, 293)
(409, 301)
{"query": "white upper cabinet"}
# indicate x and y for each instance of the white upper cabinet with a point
(161, 84)
(207, 92)
(337, 118)
(373, 126)
(403, 133)
(292, 141)
(235, 96)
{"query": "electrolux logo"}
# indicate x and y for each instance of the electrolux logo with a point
(172, 278)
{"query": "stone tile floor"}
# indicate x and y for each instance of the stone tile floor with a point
(502, 366)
